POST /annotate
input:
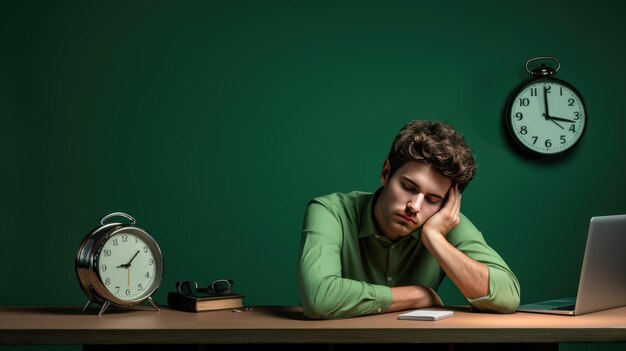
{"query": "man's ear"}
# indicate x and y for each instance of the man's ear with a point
(384, 174)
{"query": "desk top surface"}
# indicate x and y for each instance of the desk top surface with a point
(68, 325)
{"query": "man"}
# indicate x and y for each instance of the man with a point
(364, 253)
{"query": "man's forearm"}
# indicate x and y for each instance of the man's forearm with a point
(469, 275)
(405, 297)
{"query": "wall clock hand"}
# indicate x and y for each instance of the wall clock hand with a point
(553, 121)
(561, 119)
(546, 109)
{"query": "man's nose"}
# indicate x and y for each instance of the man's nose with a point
(416, 203)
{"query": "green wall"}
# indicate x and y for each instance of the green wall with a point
(214, 122)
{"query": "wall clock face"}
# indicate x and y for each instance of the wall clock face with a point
(546, 116)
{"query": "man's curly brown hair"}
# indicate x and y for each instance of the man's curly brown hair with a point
(437, 144)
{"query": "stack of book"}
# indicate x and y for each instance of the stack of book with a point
(198, 302)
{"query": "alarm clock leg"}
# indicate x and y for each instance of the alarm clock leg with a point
(105, 305)
(87, 305)
(151, 301)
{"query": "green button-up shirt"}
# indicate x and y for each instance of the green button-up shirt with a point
(347, 267)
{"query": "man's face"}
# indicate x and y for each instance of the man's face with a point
(414, 193)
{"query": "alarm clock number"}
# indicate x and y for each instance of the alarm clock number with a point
(126, 266)
(547, 117)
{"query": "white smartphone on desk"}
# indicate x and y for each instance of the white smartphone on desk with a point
(425, 315)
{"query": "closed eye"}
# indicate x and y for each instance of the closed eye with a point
(409, 188)
(433, 199)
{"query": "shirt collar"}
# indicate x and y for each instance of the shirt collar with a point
(368, 224)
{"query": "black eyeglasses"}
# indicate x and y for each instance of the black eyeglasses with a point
(218, 287)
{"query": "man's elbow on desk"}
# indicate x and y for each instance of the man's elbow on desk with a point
(486, 305)
(334, 298)
(319, 305)
(315, 312)
(320, 308)
(504, 296)
(326, 310)
(316, 304)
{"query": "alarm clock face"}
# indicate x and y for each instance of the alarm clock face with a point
(128, 265)
(547, 116)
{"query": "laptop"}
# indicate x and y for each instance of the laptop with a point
(602, 282)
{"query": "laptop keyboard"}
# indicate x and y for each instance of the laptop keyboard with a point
(565, 308)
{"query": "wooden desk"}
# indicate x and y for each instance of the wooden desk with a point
(286, 325)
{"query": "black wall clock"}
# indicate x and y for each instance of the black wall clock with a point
(545, 115)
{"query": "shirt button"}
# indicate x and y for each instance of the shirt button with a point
(388, 279)
(392, 246)
(379, 309)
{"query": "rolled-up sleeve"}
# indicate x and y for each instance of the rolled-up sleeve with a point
(504, 293)
(324, 293)
(504, 288)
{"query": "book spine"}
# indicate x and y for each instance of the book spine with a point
(181, 302)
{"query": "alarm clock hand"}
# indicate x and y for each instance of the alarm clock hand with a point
(126, 265)
(131, 260)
